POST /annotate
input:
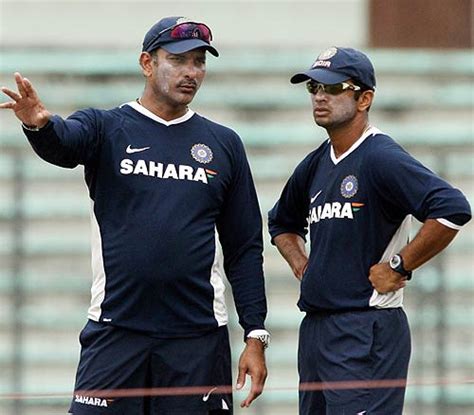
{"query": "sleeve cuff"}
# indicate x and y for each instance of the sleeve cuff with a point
(449, 224)
(279, 231)
(258, 332)
(29, 128)
(25, 127)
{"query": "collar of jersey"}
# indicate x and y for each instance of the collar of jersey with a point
(367, 133)
(142, 110)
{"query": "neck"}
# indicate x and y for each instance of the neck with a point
(161, 109)
(344, 136)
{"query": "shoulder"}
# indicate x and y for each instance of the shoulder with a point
(95, 114)
(382, 150)
(223, 137)
(220, 131)
(385, 160)
(312, 160)
(113, 114)
(380, 141)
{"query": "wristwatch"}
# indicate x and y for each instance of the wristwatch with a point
(262, 335)
(396, 263)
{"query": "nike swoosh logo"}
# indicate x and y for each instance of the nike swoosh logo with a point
(361, 413)
(314, 197)
(206, 396)
(131, 150)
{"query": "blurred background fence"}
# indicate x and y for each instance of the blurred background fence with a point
(424, 100)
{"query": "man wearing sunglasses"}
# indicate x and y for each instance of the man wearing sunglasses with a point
(355, 194)
(174, 208)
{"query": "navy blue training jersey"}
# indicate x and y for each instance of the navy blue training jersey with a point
(168, 198)
(358, 208)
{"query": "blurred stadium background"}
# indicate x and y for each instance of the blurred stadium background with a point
(84, 53)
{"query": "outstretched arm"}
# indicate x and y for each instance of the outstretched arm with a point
(26, 104)
(65, 143)
(432, 238)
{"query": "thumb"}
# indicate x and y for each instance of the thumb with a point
(241, 378)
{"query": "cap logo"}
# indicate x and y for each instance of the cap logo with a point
(325, 64)
(327, 54)
(322, 60)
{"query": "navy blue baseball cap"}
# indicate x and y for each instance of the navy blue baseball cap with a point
(336, 65)
(177, 34)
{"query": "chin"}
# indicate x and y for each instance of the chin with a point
(185, 99)
(321, 123)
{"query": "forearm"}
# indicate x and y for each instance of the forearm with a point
(48, 145)
(431, 239)
(292, 247)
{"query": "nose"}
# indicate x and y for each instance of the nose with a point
(191, 70)
(194, 69)
(319, 96)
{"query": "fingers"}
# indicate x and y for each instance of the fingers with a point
(20, 84)
(250, 398)
(7, 105)
(252, 362)
(256, 389)
(25, 87)
(241, 378)
(401, 284)
(12, 94)
(30, 91)
(388, 287)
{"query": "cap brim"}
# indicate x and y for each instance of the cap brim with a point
(319, 75)
(186, 45)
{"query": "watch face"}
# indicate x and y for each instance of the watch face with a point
(395, 261)
(264, 338)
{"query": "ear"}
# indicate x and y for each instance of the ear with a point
(365, 100)
(146, 62)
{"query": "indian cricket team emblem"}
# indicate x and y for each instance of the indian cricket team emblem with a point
(327, 54)
(349, 186)
(201, 153)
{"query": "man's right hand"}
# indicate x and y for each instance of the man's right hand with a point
(26, 104)
(292, 248)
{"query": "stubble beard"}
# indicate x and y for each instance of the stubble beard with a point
(335, 120)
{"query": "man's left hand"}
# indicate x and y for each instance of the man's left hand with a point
(252, 363)
(386, 280)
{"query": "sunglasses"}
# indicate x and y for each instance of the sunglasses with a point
(188, 30)
(331, 89)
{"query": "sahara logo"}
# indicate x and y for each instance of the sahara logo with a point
(166, 171)
(333, 210)
(93, 401)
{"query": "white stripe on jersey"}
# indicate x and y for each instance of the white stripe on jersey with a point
(449, 224)
(217, 282)
(399, 240)
(98, 270)
(367, 133)
(142, 110)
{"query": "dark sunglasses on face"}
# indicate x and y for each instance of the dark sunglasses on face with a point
(189, 30)
(331, 89)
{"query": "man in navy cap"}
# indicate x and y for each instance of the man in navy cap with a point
(356, 194)
(174, 209)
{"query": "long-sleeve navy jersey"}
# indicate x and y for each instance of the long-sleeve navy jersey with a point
(358, 208)
(168, 199)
